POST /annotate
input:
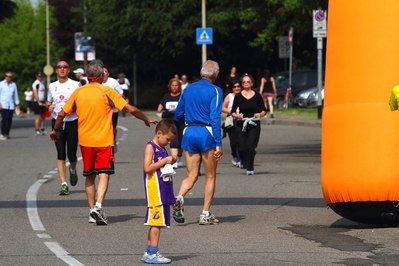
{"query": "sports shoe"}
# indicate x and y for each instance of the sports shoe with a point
(2, 137)
(64, 190)
(91, 219)
(44, 132)
(205, 220)
(240, 165)
(234, 161)
(145, 257)
(178, 211)
(175, 165)
(271, 115)
(179, 161)
(38, 133)
(73, 178)
(99, 215)
(156, 258)
(250, 172)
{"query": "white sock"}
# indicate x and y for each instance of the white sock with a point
(99, 205)
(181, 198)
(206, 213)
(64, 183)
(72, 171)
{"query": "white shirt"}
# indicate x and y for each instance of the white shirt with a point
(40, 90)
(113, 83)
(58, 94)
(125, 86)
(28, 95)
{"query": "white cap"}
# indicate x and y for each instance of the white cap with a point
(79, 70)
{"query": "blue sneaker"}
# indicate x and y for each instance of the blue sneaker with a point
(156, 258)
(250, 172)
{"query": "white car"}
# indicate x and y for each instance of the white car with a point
(308, 97)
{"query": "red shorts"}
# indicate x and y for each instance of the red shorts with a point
(267, 94)
(97, 160)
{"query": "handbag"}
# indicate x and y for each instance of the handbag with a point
(228, 122)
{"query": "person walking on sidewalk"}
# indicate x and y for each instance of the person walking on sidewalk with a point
(93, 105)
(9, 100)
(67, 143)
(158, 188)
(201, 139)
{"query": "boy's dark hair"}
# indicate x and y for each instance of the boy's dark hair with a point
(166, 125)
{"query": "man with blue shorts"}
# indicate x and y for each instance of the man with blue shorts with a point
(202, 140)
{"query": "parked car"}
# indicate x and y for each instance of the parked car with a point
(300, 80)
(308, 97)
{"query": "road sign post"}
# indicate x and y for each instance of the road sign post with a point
(319, 32)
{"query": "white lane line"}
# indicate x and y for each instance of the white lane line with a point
(31, 206)
(62, 254)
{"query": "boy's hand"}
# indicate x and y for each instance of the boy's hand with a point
(173, 158)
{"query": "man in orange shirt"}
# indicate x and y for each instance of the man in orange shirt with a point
(93, 104)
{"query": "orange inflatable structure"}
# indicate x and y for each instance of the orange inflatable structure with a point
(360, 135)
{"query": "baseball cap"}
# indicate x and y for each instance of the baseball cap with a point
(121, 75)
(39, 74)
(79, 70)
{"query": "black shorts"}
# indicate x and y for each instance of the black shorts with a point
(126, 93)
(115, 119)
(39, 109)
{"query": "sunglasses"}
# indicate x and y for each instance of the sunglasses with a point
(62, 66)
(236, 86)
(246, 81)
(8, 76)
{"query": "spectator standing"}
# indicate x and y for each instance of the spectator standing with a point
(28, 100)
(268, 91)
(234, 88)
(125, 85)
(167, 107)
(9, 100)
(39, 107)
(80, 76)
(248, 108)
(67, 142)
(113, 83)
(201, 138)
(93, 104)
(233, 74)
(184, 82)
(158, 189)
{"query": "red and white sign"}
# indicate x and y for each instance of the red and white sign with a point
(290, 35)
(319, 24)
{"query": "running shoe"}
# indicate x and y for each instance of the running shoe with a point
(43, 133)
(145, 257)
(64, 190)
(73, 177)
(250, 172)
(2, 137)
(156, 258)
(99, 215)
(178, 211)
(91, 220)
(205, 220)
(38, 133)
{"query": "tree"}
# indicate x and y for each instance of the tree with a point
(7, 9)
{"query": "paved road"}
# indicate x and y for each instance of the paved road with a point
(276, 217)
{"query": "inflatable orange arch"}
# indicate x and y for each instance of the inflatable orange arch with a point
(360, 135)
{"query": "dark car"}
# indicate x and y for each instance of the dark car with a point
(300, 80)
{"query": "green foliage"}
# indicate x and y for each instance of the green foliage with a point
(7, 9)
(23, 45)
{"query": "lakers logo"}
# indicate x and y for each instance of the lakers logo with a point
(156, 215)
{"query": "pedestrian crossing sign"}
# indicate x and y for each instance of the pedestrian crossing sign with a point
(204, 36)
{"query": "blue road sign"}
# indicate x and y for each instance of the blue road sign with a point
(204, 36)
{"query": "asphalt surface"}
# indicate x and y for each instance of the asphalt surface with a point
(276, 217)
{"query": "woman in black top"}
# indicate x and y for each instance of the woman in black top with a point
(248, 108)
(268, 91)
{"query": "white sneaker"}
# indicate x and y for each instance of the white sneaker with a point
(179, 161)
(91, 219)
(156, 259)
(234, 161)
(205, 220)
(2, 137)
